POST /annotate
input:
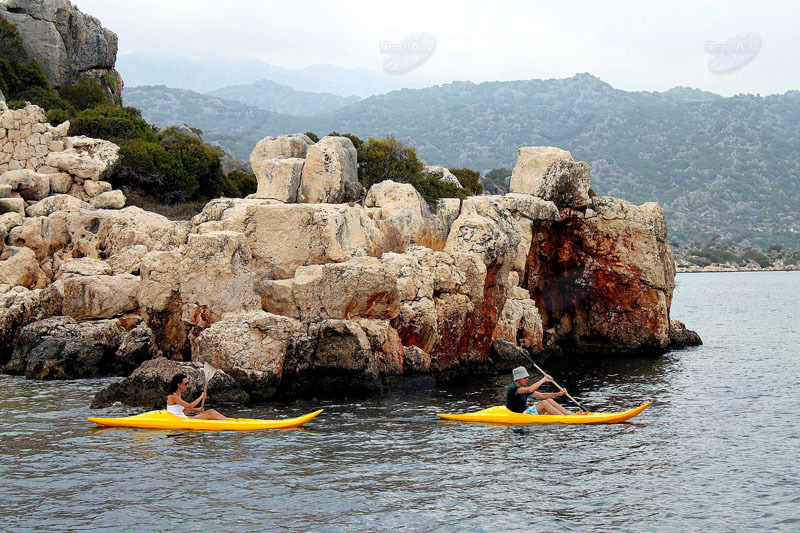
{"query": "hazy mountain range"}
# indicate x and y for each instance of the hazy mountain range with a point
(205, 74)
(727, 165)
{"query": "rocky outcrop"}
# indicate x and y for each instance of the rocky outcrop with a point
(63, 348)
(312, 290)
(682, 337)
(551, 174)
(603, 278)
(70, 45)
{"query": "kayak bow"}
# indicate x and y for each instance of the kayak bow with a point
(501, 415)
(164, 420)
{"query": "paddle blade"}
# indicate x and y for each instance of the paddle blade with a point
(208, 371)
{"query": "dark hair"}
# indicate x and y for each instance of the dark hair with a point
(176, 380)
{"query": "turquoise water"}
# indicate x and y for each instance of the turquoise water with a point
(718, 451)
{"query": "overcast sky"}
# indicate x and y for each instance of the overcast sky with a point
(635, 45)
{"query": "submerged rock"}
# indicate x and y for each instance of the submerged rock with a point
(681, 337)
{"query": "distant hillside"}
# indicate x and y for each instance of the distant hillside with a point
(717, 165)
(205, 74)
(271, 96)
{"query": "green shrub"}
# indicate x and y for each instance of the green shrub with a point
(757, 257)
(244, 182)
(387, 159)
(116, 124)
(358, 143)
(155, 170)
(469, 179)
(313, 136)
(431, 189)
(84, 94)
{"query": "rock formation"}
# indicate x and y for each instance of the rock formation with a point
(314, 281)
(70, 45)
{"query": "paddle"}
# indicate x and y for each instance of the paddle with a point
(556, 384)
(208, 372)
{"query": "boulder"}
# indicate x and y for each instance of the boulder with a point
(147, 386)
(5, 190)
(18, 266)
(282, 237)
(12, 205)
(603, 279)
(330, 172)
(84, 266)
(136, 346)
(250, 347)
(97, 296)
(216, 278)
(18, 179)
(551, 174)
(108, 200)
(293, 145)
(361, 287)
(60, 183)
(415, 360)
(160, 302)
(279, 178)
(59, 202)
(19, 307)
(681, 337)
(85, 158)
(400, 212)
(62, 348)
(442, 174)
(96, 188)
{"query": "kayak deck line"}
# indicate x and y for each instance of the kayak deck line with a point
(501, 415)
(165, 420)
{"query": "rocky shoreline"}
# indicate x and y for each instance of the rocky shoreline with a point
(689, 270)
(313, 282)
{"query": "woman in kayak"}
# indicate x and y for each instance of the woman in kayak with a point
(517, 396)
(178, 407)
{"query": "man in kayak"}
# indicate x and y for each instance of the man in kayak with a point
(517, 396)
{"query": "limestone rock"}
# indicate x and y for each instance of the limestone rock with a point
(294, 145)
(12, 205)
(400, 212)
(86, 158)
(330, 172)
(147, 386)
(108, 200)
(97, 296)
(279, 178)
(84, 266)
(520, 324)
(66, 41)
(415, 360)
(58, 202)
(96, 188)
(361, 287)
(282, 237)
(217, 278)
(18, 266)
(19, 307)
(5, 190)
(160, 302)
(442, 174)
(60, 183)
(551, 174)
(603, 279)
(62, 348)
(136, 346)
(250, 347)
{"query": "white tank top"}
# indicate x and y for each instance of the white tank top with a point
(176, 410)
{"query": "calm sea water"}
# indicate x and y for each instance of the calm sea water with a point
(718, 451)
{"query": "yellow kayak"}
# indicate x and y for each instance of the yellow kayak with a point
(164, 420)
(501, 415)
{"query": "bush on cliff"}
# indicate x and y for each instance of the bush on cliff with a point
(469, 179)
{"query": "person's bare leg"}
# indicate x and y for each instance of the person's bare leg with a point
(211, 414)
(555, 408)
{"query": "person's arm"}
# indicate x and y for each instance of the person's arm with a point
(546, 395)
(531, 388)
(188, 407)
